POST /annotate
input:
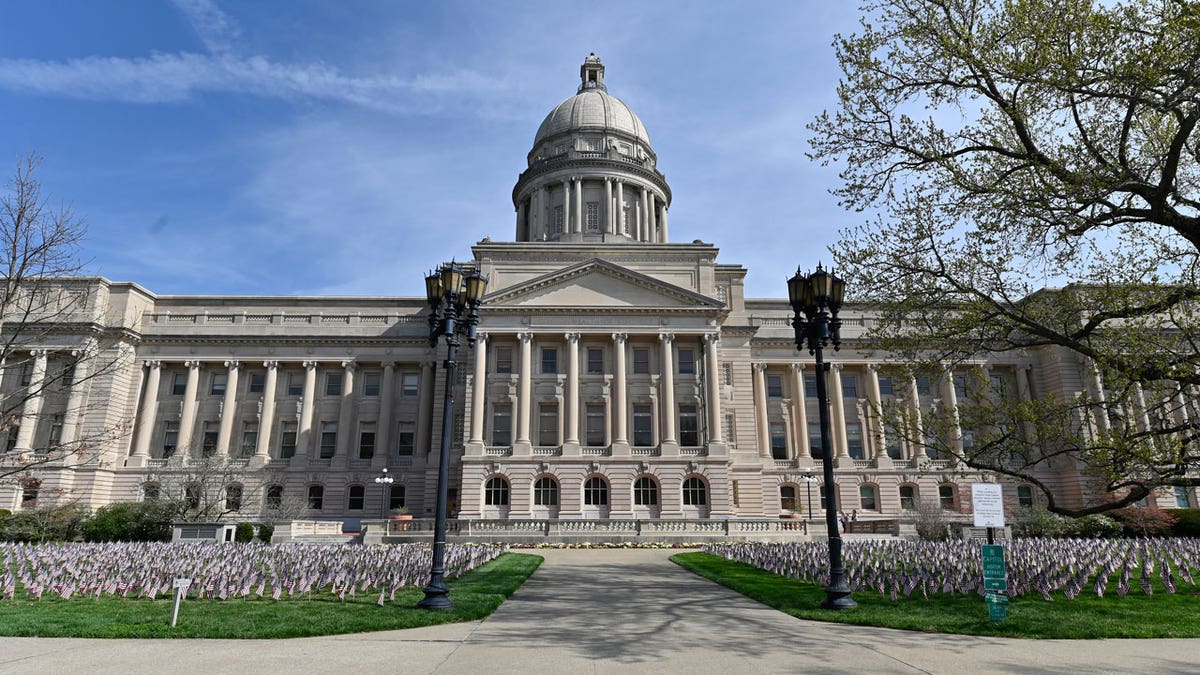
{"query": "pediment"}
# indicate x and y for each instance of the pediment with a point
(598, 283)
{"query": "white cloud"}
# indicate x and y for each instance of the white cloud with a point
(216, 29)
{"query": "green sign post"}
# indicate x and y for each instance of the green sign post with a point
(995, 578)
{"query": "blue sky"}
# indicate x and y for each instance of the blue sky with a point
(297, 147)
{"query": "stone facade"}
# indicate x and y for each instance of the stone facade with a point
(617, 375)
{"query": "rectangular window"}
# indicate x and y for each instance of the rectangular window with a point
(366, 440)
(179, 384)
(778, 441)
(960, 386)
(854, 440)
(641, 361)
(885, 386)
(170, 439)
(249, 438)
(502, 424)
(549, 361)
(558, 220)
(687, 362)
(208, 439)
(810, 386)
(548, 424)
(594, 435)
(643, 425)
(329, 432)
(355, 499)
(371, 384)
(257, 383)
(1181, 497)
(814, 439)
(774, 386)
(689, 425)
(595, 361)
(287, 440)
(406, 439)
(849, 386)
(866, 495)
(68, 375)
(218, 384)
(295, 384)
(593, 216)
(503, 360)
(923, 386)
(409, 383)
(333, 383)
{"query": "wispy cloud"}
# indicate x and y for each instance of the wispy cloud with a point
(216, 29)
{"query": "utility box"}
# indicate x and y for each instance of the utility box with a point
(222, 533)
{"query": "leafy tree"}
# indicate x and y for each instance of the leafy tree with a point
(130, 521)
(1032, 170)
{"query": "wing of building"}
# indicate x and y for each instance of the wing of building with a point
(617, 375)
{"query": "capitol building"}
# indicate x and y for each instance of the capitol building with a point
(618, 374)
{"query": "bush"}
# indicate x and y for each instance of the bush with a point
(131, 521)
(54, 523)
(244, 532)
(1036, 521)
(265, 530)
(1095, 525)
(1144, 522)
(932, 523)
(1187, 522)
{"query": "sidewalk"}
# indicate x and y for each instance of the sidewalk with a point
(611, 611)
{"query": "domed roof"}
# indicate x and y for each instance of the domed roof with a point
(592, 108)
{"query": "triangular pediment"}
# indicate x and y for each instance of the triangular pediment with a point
(598, 283)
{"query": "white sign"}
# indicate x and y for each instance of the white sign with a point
(987, 501)
(183, 584)
(181, 589)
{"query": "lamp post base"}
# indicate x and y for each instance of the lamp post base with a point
(437, 596)
(837, 596)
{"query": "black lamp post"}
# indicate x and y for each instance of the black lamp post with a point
(809, 479)
(816, 300)
(384, 480)
(454, 296)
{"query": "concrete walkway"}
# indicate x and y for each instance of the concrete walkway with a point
(611, 612)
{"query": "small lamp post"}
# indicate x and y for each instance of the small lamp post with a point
(809, 479)
(454, 296)
(816, 300)
(384, 481)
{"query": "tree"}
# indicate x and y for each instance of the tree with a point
(50, 345)
(211, 488)
(1006, 146)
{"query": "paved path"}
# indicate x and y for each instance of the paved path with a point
(613, 611)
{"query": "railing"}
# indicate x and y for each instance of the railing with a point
(497, 451)
(157, 463)
(786, 464)
(644, 452)
(283, 318)
(694, 451)
(861, 463)
(320, 463)
(547, 451)
(597, 529)
(589, 451)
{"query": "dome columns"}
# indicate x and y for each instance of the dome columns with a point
(578, 208)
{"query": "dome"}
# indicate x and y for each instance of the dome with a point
(592, 110)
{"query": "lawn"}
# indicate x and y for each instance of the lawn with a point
(475, 595)
(1086, 617)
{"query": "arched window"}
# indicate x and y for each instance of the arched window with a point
(1024, 495)
(868, 497)
(29, 494)
(908, 497)
(316, 497)
(191, 496)
(595, 492)
(396, 497)
(495, 492)
(787, 497)
(823, 500)
(695, 492)
(274, 497)
(946, 496)
(545, 492)
(645, 492)
(355, 497)
(233, 497)
(151, 491)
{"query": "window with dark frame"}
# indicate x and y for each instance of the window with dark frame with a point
(495, 492)
(695, 492)
(179, 384)
(409, 382)
(257, 383)
(333, 383)
(504, 360)
(396, 497)
(778, 435)
(371, 383)
(594, 425)
(329, 431)
(217, 387)
(866, 496)
(689, 425)
(356, 496)
(687, 361)
(366, 440)
(643, 425)
(908, 498)
(645, 492)
(595, 361)
(316, 497)
(170, 439)
(946, 496)
(641, 361)
(545, 492)
(287, 439)
(502, 424)
(549, 361)
(547, 424)
(774, 386)
(595, 492)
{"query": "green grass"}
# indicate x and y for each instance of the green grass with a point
(475, 595)
(1085, 617)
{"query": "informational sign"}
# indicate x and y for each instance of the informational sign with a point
(181, 589)
(997, 611)
(987, 501)
(995, 578)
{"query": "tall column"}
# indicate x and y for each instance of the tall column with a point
(662, 223)
(566, 183)
(187, 416)
(950, 399)
(621, 224)
(425, 387)
(479, 389)
(306, 438)
(572, 417)
(1095, 385)
(645, 215)
(760, 410)
(346, 413)
(918, 450)
(533, 220)
(228, 409)
(1025, 393)
(609, 223)
(667, 378)
(141, 446)
(620, 428)
(652, 215)
(383, 428)
(578, 194)
(523, 388)
(545, 212)
(800, 408)
(712, 369)
(521, 223)
(74, 411)
(1143, 415)
(878, 430)
(262, 451)
(838, 405)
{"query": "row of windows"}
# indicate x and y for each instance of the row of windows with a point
(868, 496)
(595, 425)
(595, 491)
(256, 383)
(288, 434)
(356, 497)
(594, 361)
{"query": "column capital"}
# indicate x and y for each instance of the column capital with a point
(759, 366)
(233, 365)
(387, 364)
(270, 365)
(620, 337)
(797, 367)
(875, 367)
(836, 366)
(666, 337)
(39, 352)
(571, 337)
(148, 363)
(525, 337)
(712, 338)
(349, 364)
(191, 364)
(481, 336)
(311, 365)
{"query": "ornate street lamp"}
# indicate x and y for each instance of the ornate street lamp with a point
(809, 479)
(816, 300)
(385, 481)
(454, 296)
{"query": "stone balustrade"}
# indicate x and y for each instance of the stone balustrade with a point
(607, 530)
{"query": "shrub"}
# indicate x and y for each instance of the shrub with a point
(931, 521)
(244, 532)
(265, 530)
(130, 521)
(1144, 522)
(1095, 525)
(1036, 521)
(1187, 522)
(53, 523)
